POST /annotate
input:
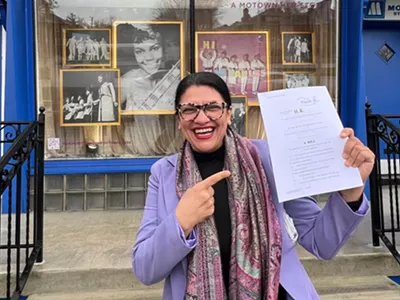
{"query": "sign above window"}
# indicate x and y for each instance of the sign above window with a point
(382, 10)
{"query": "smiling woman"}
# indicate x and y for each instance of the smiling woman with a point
(149, 75)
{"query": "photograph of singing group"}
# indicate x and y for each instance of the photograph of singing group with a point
(240, 58)
(90, 97)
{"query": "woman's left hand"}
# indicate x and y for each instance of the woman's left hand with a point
(356, 155)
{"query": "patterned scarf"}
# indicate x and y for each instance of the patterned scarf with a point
(256, 234)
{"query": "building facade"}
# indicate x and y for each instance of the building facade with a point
(106, 73)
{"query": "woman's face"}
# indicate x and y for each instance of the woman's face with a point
(148, 55)
(203, 134)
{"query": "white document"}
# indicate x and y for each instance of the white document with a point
(303, 129)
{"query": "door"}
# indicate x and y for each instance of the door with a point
(382, 78)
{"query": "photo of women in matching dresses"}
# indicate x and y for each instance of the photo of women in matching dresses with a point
(150, 59)
(298, 79)
(297, 48)
(87, 47)
(240, 59)
(89, 97)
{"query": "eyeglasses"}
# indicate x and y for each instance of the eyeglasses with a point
(213, 110)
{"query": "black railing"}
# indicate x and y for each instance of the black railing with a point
(383, 134)
(21, 166)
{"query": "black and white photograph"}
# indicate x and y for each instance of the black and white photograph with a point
(298, 79)
(298, 48)
(239, 114)
(150, 56)
(87, 47)
(89, 97)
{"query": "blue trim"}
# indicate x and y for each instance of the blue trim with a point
(352, 98)
(30, 60)
(3, 16)
(352, 65)
(352, 88)
(20, 83)
(90, 166)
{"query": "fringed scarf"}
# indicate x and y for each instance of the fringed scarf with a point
(256, 235)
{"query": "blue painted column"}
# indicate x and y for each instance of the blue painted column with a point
(353, 95)
(20, 84)
(352, 70)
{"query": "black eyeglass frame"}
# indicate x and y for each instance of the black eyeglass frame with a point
(201, 107)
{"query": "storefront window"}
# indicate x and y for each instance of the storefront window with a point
(107, 70)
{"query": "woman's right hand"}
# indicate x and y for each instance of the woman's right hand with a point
(197, 203)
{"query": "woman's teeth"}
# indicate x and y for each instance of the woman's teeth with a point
(204, 131)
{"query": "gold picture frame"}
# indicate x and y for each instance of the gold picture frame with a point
(83, 83)
(245, 46)
(297, 55)
(92, 33)
(295, 82)
(237, 100)
(173, 62)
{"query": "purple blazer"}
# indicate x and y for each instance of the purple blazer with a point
(160, 250)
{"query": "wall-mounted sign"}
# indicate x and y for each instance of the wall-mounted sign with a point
(382, 10)
(385, 52)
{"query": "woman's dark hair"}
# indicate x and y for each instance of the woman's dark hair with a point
(140, 35)
(209, 79)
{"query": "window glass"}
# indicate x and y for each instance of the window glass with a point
(107, 73)
(267, 45)
(107, 69)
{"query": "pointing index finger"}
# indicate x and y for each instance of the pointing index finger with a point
(213, 179)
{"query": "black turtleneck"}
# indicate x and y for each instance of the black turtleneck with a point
(209, 164)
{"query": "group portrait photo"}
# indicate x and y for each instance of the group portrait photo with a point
(298, 48)
(87, 47)
(149, 55)
(241, 59)
(89, 97)
(298, 79)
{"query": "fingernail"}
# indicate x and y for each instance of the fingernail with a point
(347, 163)
(345, 155)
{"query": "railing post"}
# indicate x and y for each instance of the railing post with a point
(372, 140)
(40, 181)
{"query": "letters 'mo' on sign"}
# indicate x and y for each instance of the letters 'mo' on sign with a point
(382, 9)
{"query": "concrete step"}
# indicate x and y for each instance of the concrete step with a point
(91, 251)
(334, 287)
(43, 280)
(387, 295)
(102, 295)
(329, 288)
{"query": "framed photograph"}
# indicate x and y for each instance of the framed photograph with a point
(89, 97)
(150, 56)
(241, 58)
(86, 47)
(299, 79)
(298, 48)
(239, 114)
